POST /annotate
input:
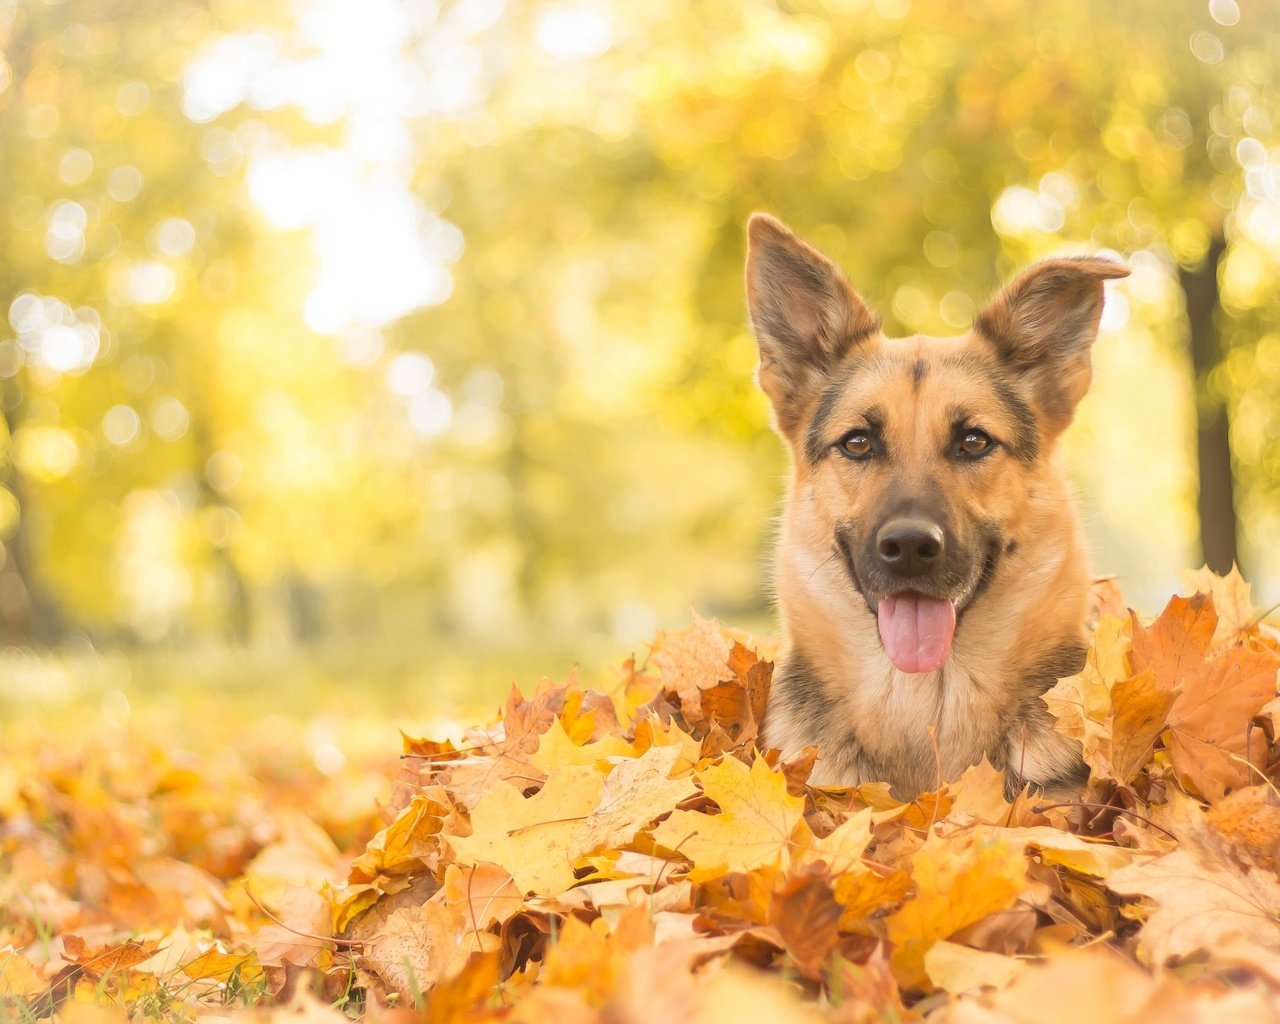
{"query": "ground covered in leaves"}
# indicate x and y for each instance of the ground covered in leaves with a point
(631, 856)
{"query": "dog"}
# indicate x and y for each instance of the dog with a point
(930, 576)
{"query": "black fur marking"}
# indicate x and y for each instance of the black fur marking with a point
(816, 443)
(1011, 547)
(995, 548)
(1064, 660)
(1004, 342)
(918, 370)
(817, 713)
(850, 752)
(846, 556)
(1025, 442)
(1073, 778)
(803, 694)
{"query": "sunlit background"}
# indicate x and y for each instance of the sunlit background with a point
(399, 346)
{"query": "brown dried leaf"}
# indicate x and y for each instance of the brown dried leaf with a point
(1219, 696)
(691, 661)
(807, 916)
(418, 947)
(1220, 882)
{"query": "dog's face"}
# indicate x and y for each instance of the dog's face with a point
(916, 460)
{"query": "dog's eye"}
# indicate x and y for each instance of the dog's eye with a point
(975, 442)
(857, 445)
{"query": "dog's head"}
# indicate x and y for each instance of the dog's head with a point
(918, 459)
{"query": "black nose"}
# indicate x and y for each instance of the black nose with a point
(909, 547)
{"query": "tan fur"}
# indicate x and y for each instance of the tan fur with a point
(1018, 628)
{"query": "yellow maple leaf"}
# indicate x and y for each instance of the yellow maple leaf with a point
(863, 892)
(536, 840)
(556, 749)
(979, 793)
(650, 730)
(753, 829)
(18, 976)
(219, 965)
(405, 845)
(590, 958)
(841, 850)
(958, 880)
(635, 793)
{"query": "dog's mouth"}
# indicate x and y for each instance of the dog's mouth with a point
(917, 629)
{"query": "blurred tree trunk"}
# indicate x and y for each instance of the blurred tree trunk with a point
(306, 621)
(1216, 502)
(28, 613)
(239, 612)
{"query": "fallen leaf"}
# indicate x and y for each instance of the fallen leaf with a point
(1097, 984)
(218, 965)
(753, 828)
(958, 880)
(692, 660)
(18, 976)
(1090, 857)
(1209, 720)
(485, 892)
(418, 947)
(557, 750)
(807, 916)
(536, 840)
(1231, 601)
(1213, 887)
(635, 793)
(841, 850)
(1117, 716)
(958, 969)
(408, 844)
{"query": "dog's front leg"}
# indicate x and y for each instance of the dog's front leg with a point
(1043, 758)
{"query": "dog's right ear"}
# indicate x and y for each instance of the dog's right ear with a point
(804, 313)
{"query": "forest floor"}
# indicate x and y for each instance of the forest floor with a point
(619, 851)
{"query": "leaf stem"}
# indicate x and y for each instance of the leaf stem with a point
(1041, 808)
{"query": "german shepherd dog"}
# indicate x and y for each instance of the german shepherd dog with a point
(930, 575)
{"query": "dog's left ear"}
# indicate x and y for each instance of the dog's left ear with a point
(1043, 326)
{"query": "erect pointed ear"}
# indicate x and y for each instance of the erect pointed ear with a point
(804, 313)
(1043, 325)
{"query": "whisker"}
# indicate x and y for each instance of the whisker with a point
(818, 568)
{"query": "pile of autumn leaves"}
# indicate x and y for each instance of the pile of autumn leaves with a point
(630, 857)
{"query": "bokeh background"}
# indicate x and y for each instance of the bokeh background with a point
(397, 347)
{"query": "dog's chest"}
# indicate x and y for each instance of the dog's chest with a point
(916, 725)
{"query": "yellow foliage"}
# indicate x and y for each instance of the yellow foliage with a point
(753, 828)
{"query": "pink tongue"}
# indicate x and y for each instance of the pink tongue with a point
(916, 631)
